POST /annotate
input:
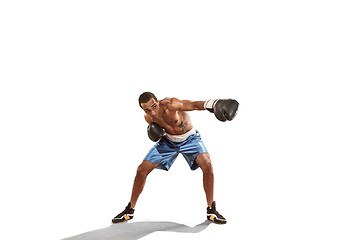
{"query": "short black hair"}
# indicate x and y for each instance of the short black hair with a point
(145, 97)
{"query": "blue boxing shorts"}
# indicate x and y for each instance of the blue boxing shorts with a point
(165, 151)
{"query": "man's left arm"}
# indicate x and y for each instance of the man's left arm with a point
(224, 109)
(186, 105)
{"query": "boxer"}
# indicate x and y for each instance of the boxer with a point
(171, 128)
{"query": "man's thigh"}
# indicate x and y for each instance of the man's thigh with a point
(147, 167)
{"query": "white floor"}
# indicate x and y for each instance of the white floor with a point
(72, 133)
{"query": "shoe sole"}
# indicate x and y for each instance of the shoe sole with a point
(125, 218)
(214, 219)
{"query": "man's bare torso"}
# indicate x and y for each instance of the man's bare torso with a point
(175, 122)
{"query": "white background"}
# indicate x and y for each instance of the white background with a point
(72, 133)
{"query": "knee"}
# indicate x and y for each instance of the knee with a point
(206, 166)
(141, 171)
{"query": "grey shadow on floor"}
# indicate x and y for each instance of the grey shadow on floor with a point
(137, 230)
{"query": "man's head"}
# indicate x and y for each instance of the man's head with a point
(149, 103)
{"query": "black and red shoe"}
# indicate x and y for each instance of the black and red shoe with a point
(214, 216)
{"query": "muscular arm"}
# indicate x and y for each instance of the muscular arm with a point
(185, 105)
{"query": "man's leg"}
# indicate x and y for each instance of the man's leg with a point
(204, 162)
(142, 171)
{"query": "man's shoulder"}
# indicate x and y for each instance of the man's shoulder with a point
(171, 104)
(169, 101)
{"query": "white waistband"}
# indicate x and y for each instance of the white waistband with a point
(182, 137)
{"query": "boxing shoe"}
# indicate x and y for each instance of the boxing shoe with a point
(214, 216)
(125, 215)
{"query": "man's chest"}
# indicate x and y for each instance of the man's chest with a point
(171, 118)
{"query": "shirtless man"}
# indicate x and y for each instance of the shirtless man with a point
(171, 127)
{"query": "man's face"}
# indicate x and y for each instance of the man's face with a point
(151, 107)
